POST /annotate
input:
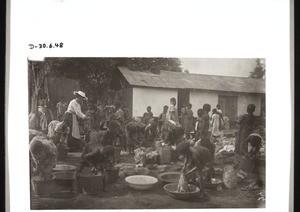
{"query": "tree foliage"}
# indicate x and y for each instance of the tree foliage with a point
(259, 71)
(95, 74)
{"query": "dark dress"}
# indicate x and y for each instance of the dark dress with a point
(246, 124)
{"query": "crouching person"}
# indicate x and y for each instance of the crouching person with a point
(44, 155)
(98, 160)
(134, 134)
(195, 159)
(250, 148)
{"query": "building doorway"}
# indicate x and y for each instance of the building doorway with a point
(183, 99)
(228, 106)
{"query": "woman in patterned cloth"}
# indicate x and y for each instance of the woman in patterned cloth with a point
(43, 151)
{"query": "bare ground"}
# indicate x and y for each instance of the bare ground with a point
(120, 196)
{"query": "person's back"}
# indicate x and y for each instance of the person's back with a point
(246, 124)
(202, 154)
(205, 119)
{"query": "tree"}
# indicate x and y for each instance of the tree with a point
(259, 71)
(95, 74)
(37, 72)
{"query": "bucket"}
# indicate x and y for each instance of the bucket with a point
(112, 175)
(165, 154)
(117, 153)
(62, 154)
(42, 188)
(91, 184)
(64, 184)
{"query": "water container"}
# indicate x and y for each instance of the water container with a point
(112, 175)
(91, 184)
(42, 188)
(64, 184)
(165, 154)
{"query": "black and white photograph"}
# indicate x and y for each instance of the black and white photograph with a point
(149, 105)
(146, 133)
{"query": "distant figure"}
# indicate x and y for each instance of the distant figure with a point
(109, 109)
(188, 120)
(119, 114)
(215, 122)
(205, 118)
(246, 125)
(162, 117)
(61, 108)
(173, 113)
(147, 116)
(91, 114)
(226, 123)
(100, 115)
(151, 132)
(219, 111)
(199, 125)
(46, 115)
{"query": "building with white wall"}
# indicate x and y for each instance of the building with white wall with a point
(233, 94)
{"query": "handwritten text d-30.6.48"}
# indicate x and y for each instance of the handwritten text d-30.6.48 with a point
(46, 46)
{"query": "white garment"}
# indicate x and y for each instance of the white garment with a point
(215, 125)
(75, 127)
(75, 108)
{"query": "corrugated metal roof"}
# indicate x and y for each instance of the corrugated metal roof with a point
(169, 79)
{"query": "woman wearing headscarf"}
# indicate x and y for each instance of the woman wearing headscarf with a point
(43, 151)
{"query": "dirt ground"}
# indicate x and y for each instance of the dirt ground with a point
(120, 196)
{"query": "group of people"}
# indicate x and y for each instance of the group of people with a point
(111, 126)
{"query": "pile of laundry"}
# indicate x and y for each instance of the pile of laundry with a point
(224, 147)
(145, 155)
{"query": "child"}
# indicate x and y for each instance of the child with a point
(195, 159)
(173, 113)
(162, 117)
(188, 119)
(199, 124)
(215, 122)
(147, 116)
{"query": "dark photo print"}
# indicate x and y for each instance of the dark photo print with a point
(146, 133)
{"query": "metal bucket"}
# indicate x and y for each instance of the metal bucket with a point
(112, 175)
(65, 184)
(91, 184)
(42, 188)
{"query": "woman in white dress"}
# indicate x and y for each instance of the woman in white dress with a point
(215, 123)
